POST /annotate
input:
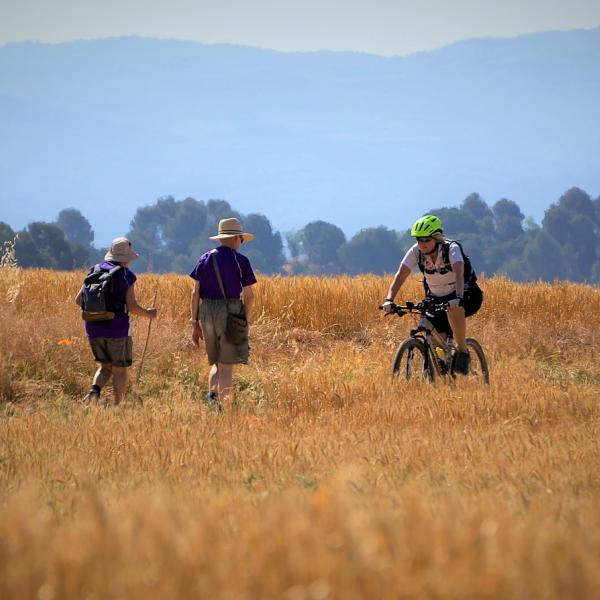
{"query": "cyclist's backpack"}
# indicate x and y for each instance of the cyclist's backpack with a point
(470, 276)
(98, 301)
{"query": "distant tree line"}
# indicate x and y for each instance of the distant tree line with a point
(498, 239)
(64, 244)
(170, 235)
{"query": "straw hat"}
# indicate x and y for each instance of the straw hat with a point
(229, 228)
(121, 250)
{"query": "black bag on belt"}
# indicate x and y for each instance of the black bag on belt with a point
(236, 330)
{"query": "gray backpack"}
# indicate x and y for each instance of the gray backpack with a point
(98, 301)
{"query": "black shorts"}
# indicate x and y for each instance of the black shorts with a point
(113, 351)
(472, 302)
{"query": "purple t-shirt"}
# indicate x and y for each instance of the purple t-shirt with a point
(119, 326)
(235, 269)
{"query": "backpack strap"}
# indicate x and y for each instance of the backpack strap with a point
(421, 260)
(446, 253)
(470, 276)
(218, 274)
(100, 274)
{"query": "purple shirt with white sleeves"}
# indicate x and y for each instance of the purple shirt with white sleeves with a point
(235, 270)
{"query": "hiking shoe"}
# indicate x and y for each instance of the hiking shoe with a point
(462, 362)
(92, 397)
(212, 401)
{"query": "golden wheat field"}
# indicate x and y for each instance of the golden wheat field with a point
(323, 479)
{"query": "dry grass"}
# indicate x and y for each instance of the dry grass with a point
(324, 480)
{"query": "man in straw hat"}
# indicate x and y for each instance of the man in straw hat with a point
(110, 340)
(224, 280)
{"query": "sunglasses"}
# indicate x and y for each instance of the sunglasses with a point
(424, 240)
(241, 239)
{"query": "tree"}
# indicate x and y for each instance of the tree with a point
(456, 221)
(374, 250)
(81, 254)
(571, 223)
(146, 234)
(50, 242)
(578, 201)
(27, 253)
(6, 233)
(217, 210)
(475, 207)
(572, 219)
(171, 234)
(320, 242)
(506, 258)
(509, 219)
(596, 205)
(187, 223)
(293, 243)
(543, 258)
(43, 245)
(75, 226)
(266, 249)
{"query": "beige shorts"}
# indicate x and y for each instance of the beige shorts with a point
(212, 315)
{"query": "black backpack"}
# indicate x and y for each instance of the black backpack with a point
(470, 276)
(98, 300)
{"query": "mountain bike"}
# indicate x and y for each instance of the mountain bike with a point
(428, 353)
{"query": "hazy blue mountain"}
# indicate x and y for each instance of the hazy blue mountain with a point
(359, 140)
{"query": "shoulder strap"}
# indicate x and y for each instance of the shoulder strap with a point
(446, 253)
(421, 261)
(94, 275)
(218, 274)
(101, 274)
(114, 270)
(469, 271)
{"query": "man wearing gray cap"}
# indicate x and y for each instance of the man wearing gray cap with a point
(223, 291)
(111, 284)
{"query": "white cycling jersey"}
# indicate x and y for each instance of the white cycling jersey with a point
(440, 283)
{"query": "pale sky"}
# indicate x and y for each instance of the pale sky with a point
(385, 27)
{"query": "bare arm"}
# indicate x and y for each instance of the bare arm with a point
(399, 278)
(458, 268)
(79, 297)
(248, 299)
(195, 303)
(194, 306)
(133, 308)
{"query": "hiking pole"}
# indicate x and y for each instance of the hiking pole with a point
(139, 372)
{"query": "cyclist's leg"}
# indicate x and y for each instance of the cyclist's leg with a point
(458, 323)
(458, 320)
(440, 317)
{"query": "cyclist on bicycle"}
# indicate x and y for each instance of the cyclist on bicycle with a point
(447, 277)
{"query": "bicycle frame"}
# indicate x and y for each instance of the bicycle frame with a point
(432, 338)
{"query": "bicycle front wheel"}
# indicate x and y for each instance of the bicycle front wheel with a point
(479, 367)
(411, 362)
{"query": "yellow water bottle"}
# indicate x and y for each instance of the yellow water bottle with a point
(440, 353)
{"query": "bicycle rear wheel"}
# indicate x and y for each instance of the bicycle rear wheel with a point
(479, 367)
(411, 361)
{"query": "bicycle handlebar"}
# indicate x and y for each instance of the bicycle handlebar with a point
(420, 308)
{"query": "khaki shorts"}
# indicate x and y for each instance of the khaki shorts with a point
(113, 351)
(212, 315)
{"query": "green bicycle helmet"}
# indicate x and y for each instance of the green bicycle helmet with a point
(427, 225)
